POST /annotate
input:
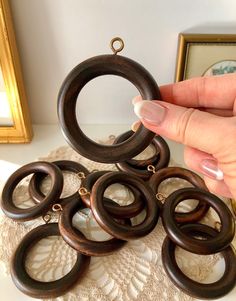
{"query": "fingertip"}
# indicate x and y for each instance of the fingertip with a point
(218, 187)
(136, 99)
(150, 127)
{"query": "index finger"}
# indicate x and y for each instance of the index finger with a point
(208, 92)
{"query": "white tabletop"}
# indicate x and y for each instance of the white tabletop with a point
(47, 138)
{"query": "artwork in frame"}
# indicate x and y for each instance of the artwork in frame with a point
(205, 55)
(15, 125)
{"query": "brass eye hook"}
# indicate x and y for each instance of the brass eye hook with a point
(57, 208)
(46, 218)
(83, 191)
(218, 226)
(81, 175)
(116, 50)
(160, 197)
(151, 168)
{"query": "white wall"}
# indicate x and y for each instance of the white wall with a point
(55, 35)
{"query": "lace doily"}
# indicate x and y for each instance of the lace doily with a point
(133, 273)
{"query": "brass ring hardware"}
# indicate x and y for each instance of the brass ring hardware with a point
(46, 218)
(151, 168)
(83, 191)
(112, 45)
(57, 208)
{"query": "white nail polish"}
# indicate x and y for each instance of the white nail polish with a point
(211, 169)
(150, 111)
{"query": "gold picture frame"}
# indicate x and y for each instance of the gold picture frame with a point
(204, 54)
(20, 131)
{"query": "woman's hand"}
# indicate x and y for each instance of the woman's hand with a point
(201, 114)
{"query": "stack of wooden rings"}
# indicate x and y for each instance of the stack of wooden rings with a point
(142, 177)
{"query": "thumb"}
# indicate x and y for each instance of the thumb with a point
(200, 130)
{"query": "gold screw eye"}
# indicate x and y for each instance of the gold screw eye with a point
(47, 218)
(151, 168)
(56, 208)
(83, 191)
(81, 175)
(160, 197)
(112, 45)
(218, 226)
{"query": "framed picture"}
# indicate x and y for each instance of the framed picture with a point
(205, 55)
(15, 126)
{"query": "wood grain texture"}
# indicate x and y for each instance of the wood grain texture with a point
(104, 219)
(173, 230)
(116, 211)
(37, 179)
(73, 84)
(178, 172)
(140, 169)
(139, 163)
(213, 290)
(77, 240)
(38, 289)
(19, 214)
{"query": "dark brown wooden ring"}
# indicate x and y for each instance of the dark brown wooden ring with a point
(173, 230)
(65, 165)
(127, 211)
(104, 219)
(177, 172)
(20, 214)
(139, 163)
(73, 84)
(76, 238)
(162, 160)
(193, 288)
(39, 289)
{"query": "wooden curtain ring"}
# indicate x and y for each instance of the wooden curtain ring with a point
(173, 230)
(104, 219)
(20, 214)
(77, 240)
(64, 165)
(193, 288)
(127, 211)
(139, 163)
(73, 84)
(39, 289)
(177, 172)
(162, 160)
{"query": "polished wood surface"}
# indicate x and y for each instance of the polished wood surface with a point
(139, 163)
(73, 84)
(64, 165)
(182, 173)
(127, 211)
(173, 230)
(77, 240)
(213, 290)
(140, 169)
(104, 219)
(38, 289)
(19, 214)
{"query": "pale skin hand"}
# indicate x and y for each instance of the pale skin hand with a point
(201, 114)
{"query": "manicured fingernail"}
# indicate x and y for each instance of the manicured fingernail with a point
(211, 169)
(136, 99)
(150, 111)
(135, 125)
